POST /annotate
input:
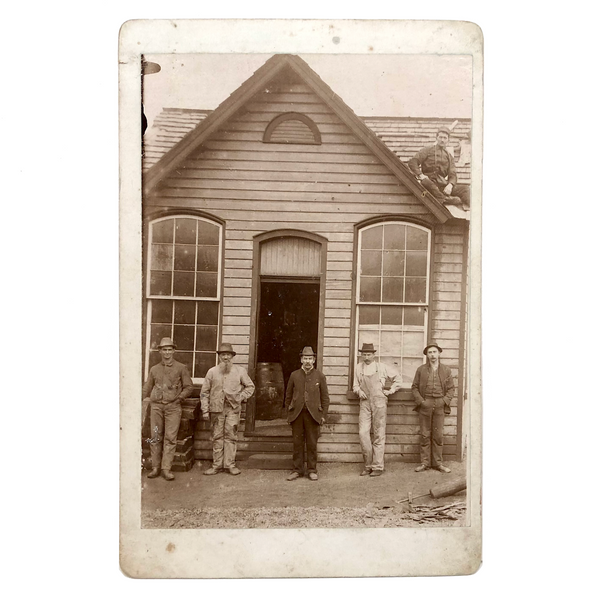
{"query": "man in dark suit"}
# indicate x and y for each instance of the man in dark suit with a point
(307, 403)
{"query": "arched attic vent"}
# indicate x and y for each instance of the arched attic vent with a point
(292, 128)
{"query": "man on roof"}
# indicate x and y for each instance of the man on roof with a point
(434, 168)
(168, 383)
(224, 389)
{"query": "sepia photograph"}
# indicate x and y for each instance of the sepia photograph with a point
(306, 288)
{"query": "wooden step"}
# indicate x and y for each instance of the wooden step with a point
(274, 461)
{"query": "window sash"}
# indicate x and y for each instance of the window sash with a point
(170, 327)
(408, 355)
(173, 244)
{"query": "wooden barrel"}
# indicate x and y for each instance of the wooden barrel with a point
(269, 391)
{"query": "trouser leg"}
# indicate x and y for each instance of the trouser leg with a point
(311, 428)
(298, 441)
(217, 421)
(364, 432)
(425, 417)
(463, 192)
(379, 423)
(172, 415)
(157, 425)
(437, 433)
(232, 421)
(432, 188)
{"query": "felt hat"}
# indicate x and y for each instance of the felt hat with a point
(166, 342)
(431, 345)
(225, 347)
(307, 351)
(444, 129)
(367, 348)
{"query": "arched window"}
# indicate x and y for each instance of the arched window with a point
(392, 293)
(292, 128)
(183, 290)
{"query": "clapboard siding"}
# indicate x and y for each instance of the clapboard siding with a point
(324, 189)
(447, 285)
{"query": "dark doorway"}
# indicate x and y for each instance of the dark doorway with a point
(288, 320)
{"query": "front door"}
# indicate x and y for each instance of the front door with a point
(288, 321)
(289, 290)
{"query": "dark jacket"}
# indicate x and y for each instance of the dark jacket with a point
(435, 162)
(168, 383)
(310, 389)
(420, 383)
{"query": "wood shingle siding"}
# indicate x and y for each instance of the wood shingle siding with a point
(324, 189)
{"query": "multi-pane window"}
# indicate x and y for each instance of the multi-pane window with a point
(183, 290)
(392, 293)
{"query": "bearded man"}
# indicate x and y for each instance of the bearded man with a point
(224, 389)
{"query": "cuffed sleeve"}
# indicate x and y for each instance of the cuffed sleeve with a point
(414, 164)
(396, 381)
(449, 388)
(147, 387)
(289, 392)
(356, 384)
(415, 387)
(186, 382)
(324, 396)
(205, 394)
(248, 386)
(451, 170)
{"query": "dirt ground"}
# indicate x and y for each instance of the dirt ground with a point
(264, 499)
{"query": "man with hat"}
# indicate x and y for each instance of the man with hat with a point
(168, 383)
(433, 389)
(224, 389)
(307, 403)
(434, 168)
(369, 382)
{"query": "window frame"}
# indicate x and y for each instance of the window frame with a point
(292, 116)
(357, 303)
(149, 298)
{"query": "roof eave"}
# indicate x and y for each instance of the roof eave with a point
(370, 139)
(211, 123)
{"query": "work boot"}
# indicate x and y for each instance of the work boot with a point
(212, 471)
(154, 473)
(443, 469)
(421, 468)
(168, 475)
(295, 475)
(365, 472)
(234, 471)
(377, 473)
(313, 476)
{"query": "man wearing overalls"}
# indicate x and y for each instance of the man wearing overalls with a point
(369, 381)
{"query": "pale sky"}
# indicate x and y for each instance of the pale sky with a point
(372, 85)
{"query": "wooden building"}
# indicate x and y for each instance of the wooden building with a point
(282, 219)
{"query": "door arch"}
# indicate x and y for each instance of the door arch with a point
(288, 302)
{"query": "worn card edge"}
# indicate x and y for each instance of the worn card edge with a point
(257, 553)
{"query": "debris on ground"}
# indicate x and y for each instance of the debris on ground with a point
(294, 517)
(448, 512)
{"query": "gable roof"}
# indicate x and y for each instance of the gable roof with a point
(188, 129)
